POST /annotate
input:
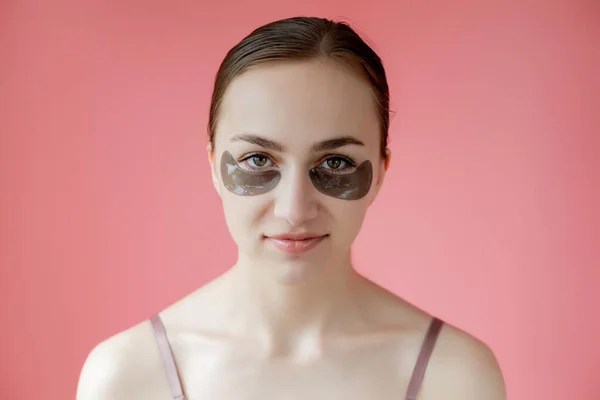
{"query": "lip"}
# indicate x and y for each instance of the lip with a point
(295, 243)
(295, 236)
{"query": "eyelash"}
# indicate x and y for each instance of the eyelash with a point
(349, 162)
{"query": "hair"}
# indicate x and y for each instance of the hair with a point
(304, 39)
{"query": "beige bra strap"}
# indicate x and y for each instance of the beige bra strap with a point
(160, 334)
(426, 349)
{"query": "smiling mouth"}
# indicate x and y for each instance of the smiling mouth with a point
(297, 242)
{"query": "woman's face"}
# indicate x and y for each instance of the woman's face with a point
(277, 123)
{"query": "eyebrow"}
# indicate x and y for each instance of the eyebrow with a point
(332, 144)
(325, 145)
(258, 140)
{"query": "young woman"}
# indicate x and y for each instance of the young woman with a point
(298, 132)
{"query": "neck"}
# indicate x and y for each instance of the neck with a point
(316, 299)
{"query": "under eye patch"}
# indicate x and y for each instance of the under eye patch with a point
(246, 183)
(350, 186)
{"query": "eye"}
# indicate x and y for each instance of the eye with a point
(337, 163)
(256, 161)
(259, 161)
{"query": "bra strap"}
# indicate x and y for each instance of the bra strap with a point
(425, 354)
(166, 354)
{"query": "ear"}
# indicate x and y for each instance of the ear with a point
(213, 172)
(388, 159)
(383, 167)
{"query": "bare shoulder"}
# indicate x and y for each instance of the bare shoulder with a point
(462, 367)
(124, 366)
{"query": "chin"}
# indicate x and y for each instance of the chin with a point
(296, 273)
(297, 269)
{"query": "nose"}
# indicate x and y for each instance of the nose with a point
(295, 198)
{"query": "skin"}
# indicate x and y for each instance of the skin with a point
(281, 326)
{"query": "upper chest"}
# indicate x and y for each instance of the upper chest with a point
(364, 374)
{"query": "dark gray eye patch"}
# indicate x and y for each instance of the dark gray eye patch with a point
(246, 183)
(352, 186)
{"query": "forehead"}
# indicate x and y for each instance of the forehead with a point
(299, 102)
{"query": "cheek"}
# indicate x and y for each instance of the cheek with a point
(242, 213)
(348, 217)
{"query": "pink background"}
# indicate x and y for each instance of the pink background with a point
(489, 217)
